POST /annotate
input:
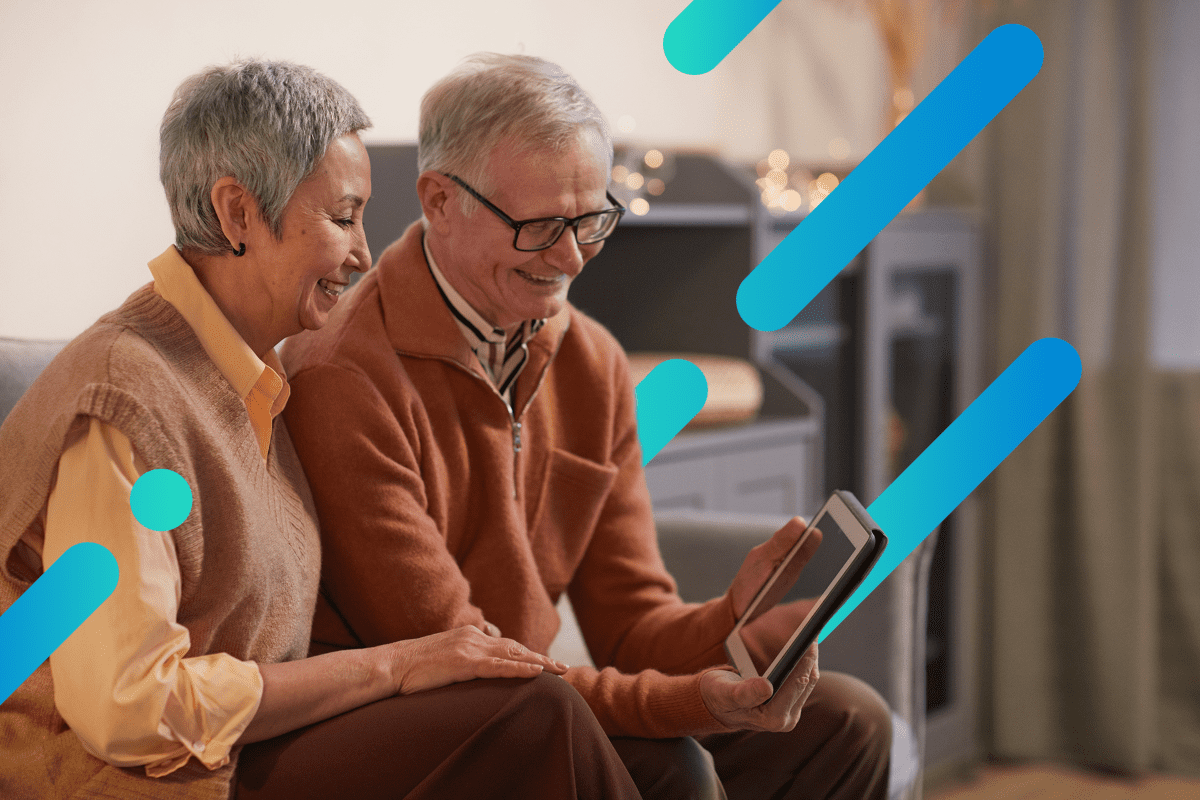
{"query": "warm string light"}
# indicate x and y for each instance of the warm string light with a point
(785, 190)
(641, 173)
(839, 148)
(820, 188)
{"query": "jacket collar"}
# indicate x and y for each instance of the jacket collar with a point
(418, 323)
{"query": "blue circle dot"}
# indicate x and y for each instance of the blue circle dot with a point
(161, 500)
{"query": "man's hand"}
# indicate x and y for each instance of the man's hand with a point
(742, 704)
(763, 559)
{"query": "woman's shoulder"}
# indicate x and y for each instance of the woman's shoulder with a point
(124, 369)
(134, 347)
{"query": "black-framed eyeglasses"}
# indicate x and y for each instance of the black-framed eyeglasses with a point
(541, 233)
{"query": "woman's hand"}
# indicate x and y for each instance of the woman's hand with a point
(462, 655)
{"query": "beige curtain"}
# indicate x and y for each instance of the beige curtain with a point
(1092, 629)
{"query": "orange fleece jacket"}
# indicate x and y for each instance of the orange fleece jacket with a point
(440, 507)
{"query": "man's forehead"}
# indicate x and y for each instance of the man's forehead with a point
(531, 173)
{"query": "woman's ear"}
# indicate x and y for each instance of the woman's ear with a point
(235, 207)
(434, 190)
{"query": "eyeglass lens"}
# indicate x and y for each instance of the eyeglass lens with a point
(589, 230)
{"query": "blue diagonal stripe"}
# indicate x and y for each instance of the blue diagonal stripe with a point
(966, 453)
(889, 177)
(667, 399)
(707, 30)
(51, 609)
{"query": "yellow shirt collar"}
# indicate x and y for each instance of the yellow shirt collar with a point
(261, 383)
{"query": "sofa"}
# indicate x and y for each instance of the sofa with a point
(882, 642)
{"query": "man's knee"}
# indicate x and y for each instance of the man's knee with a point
(670, 768)
(553, 703)
(867, 718)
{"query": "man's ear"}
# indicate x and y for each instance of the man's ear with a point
(435, 191)
(235, 207)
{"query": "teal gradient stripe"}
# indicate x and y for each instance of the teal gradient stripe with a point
(985, 433)
(889, 177)
(51, 609)
(667, 399)
(708, 30)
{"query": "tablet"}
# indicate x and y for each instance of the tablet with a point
(796, 601)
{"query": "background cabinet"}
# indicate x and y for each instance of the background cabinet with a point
(892, 347)
(765, 468)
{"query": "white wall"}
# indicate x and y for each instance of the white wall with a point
(85, 84)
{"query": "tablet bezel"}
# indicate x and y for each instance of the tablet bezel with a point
(864, 542)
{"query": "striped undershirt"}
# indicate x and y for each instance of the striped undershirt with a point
(502, 357)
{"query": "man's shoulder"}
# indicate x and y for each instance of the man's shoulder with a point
(354, 333)
(355, 336)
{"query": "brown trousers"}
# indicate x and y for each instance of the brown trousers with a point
(839, 749)
(484, 738)
(538, 739)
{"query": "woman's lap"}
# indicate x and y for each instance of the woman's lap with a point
(468, 739)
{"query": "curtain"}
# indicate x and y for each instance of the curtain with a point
(1092, 526)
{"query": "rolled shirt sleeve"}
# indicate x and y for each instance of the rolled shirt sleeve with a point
(122, 681)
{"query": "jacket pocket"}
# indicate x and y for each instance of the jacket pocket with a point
(573, 496)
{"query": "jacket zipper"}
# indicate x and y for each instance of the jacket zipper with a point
(513, 420)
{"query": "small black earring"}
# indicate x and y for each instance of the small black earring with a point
(241, 251)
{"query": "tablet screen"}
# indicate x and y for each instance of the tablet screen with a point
(767, 633)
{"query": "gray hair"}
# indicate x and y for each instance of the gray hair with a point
(265, 123)
(491, 97)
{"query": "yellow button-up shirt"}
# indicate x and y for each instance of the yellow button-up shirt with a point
(121, 680)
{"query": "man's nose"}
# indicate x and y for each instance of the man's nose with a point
(564, 255)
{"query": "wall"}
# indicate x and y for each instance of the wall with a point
(81, 209)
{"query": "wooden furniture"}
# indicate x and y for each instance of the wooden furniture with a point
(759, 468)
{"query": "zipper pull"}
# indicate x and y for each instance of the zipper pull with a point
(516, 437)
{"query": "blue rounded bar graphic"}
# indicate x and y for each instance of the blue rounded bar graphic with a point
(707, 30)
(667, 399)
(968, 450)
(889, 177)
(51, 609)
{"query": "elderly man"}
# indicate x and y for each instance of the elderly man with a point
(472, 447)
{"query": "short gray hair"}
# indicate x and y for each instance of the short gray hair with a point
(491, 97)
(265, 123)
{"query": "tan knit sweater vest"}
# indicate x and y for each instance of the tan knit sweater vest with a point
(249, 553)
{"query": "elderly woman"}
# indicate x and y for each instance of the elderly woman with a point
(200, 651)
